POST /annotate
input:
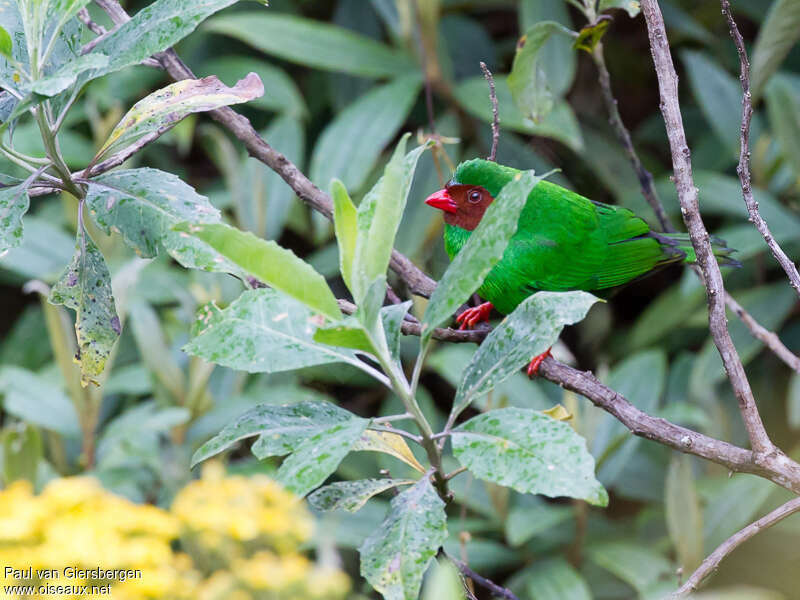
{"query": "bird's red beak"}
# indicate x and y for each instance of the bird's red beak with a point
(442, 201)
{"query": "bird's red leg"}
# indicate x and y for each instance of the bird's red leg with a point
(473, 316)
(536, 362)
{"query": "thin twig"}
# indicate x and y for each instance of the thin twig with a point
(687, 195)
(86, 19)
(495, 113)
(711, 562)
(743, 169)
(488, 584)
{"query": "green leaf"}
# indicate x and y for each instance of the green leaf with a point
(378, 218)
(444, 582)
(638, 565)
(21, 449)
(528, 452)
(282, 429)
(631, 6)
(312, 43)
(531, 329)
(560, 124)
(783, 108)
(392, 317)
(555, 579)
(64, 77)
(268, 262)
(153, 29)
(319, 455)
(483, 249)
(397, 554)
(280, 91)
(14, 203)
(346, 228)
(526, 522)
(351, 143)
(33, 399)
(589, 36)
(682, 511)
(5, 43)
(262, 331)
(528, 80)
(143, 204)
(558, 58)
(85, 287)
(719, 95)
(777, 35)
(156, 113)
(347, 333)
(351, 495)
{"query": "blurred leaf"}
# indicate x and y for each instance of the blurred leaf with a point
(528, 80)
(351, 495)
(312, 43)
(732, 503)
(35, 400)
(5, 43)
(159, 111)
(483, 249)
(21, 450)
(531, 329)
(636, 564)
(719, 95)
(528, 521)
(682, 511)
(262, 331)
(739, 592)
(280, 91)
(528, 452)
(351, 143)
(397, 554)
(42, 254)
(14, 203)
(558, 59)
(631, 6)
(346, 227)
(560, 124)
(443, 583)
(85, 287)
(153, 29)
(668, 311)
(388, 443)
(783, 108)
(793, 402)
(156, 355)
(270, 264)
(555, 579)
(777, 35)
(378, 217)
(680, 21)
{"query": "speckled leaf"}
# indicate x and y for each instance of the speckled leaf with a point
(351, 495)
(85, 287)
(143, 204)
(378, 218)
(529, 452)
(64, 77)
(532, 328)
(348, 333)
(344, 224)
(262, 331)
(153, 29)
(319, 455)
(159, 111)
(268, 262)
(392, 317)
(395, 557)
(281, 429)
(388, 443)
(14, 203)
(483, 249)
(528, 80)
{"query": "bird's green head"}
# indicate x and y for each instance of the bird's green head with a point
(475, 185)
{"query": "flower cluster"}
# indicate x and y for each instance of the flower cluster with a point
(224, 538)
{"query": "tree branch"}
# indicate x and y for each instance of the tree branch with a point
(488, 584)
(743, 169)
(495, 113)
(712, 561)
(687, 195)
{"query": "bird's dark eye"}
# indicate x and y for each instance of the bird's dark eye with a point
(474, 196)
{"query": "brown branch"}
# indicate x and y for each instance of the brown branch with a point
(488, 584)
(711, 563)
(687, 195)
(495, 113)
(743, 169)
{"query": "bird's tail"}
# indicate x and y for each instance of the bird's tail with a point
(680, 242)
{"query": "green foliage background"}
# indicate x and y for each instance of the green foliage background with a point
(343, 80)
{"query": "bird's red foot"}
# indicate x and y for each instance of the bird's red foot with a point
(473, 316)
(536, 361)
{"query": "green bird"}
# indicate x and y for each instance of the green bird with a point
(564, 241)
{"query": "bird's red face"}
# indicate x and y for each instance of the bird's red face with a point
(463, 205)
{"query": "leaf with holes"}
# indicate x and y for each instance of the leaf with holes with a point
(529, 452)
(85, 287)
(395, 557)
(350, 496)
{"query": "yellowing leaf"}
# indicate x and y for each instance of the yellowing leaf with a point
(558, 412)
(388, 443)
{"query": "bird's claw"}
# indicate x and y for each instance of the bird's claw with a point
(472, 316)
(536, 362)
